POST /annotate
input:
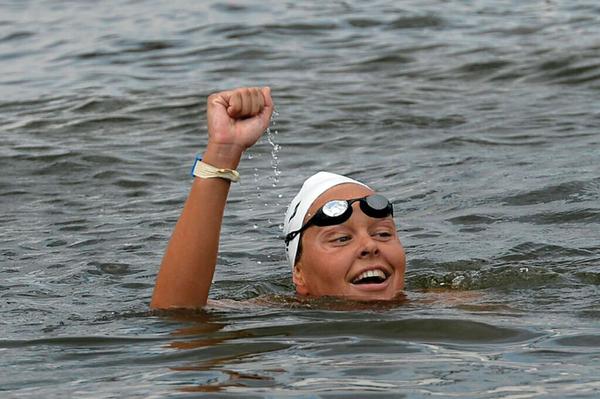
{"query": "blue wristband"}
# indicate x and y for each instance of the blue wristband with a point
(198, 159)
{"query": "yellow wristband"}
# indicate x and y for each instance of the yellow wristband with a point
(206, 171)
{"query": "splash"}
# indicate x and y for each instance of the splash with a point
(500, 277)
(275, 148)
(271, 136)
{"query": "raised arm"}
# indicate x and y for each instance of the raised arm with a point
(236, 119)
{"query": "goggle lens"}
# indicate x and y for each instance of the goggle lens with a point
(376, 206)
(335, 208)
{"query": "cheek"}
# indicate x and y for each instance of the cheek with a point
(397, 255)
(326, 264)
(400, 249)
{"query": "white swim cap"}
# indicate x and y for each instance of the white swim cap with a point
(312, 188)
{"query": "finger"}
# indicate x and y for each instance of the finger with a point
(236, 104)
(266, 93)
(257, 101)
(220, 99)
(267, 110)
(246, 102)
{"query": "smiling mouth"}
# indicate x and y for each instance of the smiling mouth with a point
(374, 276)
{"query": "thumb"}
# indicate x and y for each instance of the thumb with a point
(266, 92)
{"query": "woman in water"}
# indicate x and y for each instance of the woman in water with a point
(340, 236)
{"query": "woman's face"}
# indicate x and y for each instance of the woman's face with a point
(361, 259)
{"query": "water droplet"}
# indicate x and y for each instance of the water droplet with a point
(271, 134)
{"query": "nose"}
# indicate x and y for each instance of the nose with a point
(368, 247)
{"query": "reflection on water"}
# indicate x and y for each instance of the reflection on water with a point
(199, 335)
(478, 120)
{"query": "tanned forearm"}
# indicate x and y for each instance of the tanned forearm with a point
(188, 265)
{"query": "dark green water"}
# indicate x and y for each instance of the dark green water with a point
(480, 119)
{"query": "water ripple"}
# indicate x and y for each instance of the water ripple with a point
(479, 121)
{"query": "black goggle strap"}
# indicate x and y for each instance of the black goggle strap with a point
(321, 219)
(291, 236)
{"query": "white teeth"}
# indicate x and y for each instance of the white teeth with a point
(370, 273)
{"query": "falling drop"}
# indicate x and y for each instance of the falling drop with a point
(271, 136)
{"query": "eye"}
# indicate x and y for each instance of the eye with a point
(340, 239)
(383, 234)
(384, 230)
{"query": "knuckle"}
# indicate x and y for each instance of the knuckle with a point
(212, 97)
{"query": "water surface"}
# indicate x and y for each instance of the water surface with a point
(479, 119)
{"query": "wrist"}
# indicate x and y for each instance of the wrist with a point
(223, 155)
(204, 170)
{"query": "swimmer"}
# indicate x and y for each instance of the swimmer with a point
(340, 236)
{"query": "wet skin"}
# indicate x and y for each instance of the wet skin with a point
(333, 257)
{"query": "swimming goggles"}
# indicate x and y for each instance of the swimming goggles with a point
(338, 211)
